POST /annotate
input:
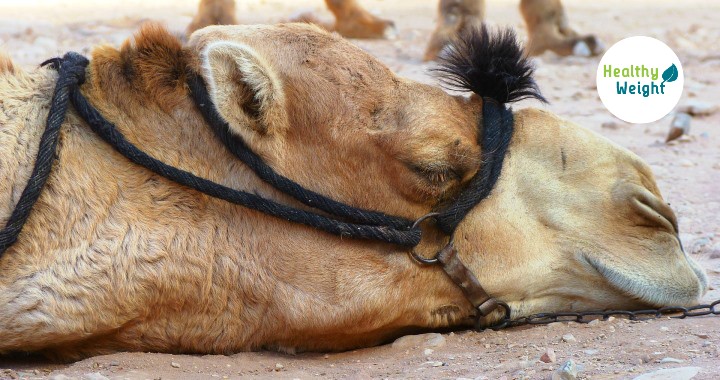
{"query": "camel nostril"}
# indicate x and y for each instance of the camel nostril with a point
(654, 211)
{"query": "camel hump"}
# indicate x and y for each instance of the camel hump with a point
(492, 64)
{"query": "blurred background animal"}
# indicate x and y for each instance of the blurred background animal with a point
(546, 21)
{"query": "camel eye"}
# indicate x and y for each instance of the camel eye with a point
(436, 175)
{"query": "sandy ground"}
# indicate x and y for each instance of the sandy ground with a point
(688, 173)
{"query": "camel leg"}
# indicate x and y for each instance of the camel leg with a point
(453, 17)
(353, 21)
(548, 29)
(213, 12)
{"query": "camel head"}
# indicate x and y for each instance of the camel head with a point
(574, 223)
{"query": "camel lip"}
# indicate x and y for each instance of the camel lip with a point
(645, 294)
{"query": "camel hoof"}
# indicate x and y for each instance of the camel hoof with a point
(391, 32)
(581, 49)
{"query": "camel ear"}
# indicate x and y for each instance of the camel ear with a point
(245, 89)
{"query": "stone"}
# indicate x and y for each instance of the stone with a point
(698, 108)
(591, 352)
(699, 245)
(679, 373)
(175, 365)
(670, 360)
(549, 356)
(610, 125)
(94, 376)
(686, 163)
(568, 338)
(428, 351)
(425, 340)
(60, 376)
(664, 329)
(680, 126)
(567, 371)
(279, 367)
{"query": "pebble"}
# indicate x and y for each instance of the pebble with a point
(680, 373)
(670, 360)
(428, 351)
(435, 364)
(60, 376)
(680, 126)
(279, 367)
(714, 251)
(610, 125)
(94, 376)
(698, 108)
(699, 244)
(591, 352)
(567, 371)
(568, 338)
(175, 365)
(594, 322)
(425, 340)
(664, 329)
(686, 163)
(549, 356)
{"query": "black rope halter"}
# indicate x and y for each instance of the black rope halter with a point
(341, 219)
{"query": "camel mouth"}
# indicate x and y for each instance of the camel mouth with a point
(683, 286)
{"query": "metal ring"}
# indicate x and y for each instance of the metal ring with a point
(422, 219)
(422, 260)
(413, 254)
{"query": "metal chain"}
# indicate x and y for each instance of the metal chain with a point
(676, 312)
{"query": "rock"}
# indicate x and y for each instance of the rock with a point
(698, 108)
(664, 329)
(428, 351)
(60, 376)
(279, 367)
(610, 125)
(549, 356)
(435, 364)
(175, 365)
(425, 340)
(567, 371)
(594, 323)
(670, 360)
(94, 376)
(679, 126)
(686, 163)
(699, 244)
(680, 373)
(568, 338)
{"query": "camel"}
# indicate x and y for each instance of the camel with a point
(547, 24)
(116, 258)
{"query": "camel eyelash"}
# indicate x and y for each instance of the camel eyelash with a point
(436, 175)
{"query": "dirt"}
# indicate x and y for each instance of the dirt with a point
(688, 173)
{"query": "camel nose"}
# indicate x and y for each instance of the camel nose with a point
(696, 268)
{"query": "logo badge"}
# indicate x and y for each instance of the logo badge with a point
(640, 80)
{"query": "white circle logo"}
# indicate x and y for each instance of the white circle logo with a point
(640, 80)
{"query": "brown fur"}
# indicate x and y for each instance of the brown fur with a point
(213, 12)
(548, 29)
(114, 257)
(6, 64)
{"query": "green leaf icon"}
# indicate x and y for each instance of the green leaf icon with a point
(670, 75)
